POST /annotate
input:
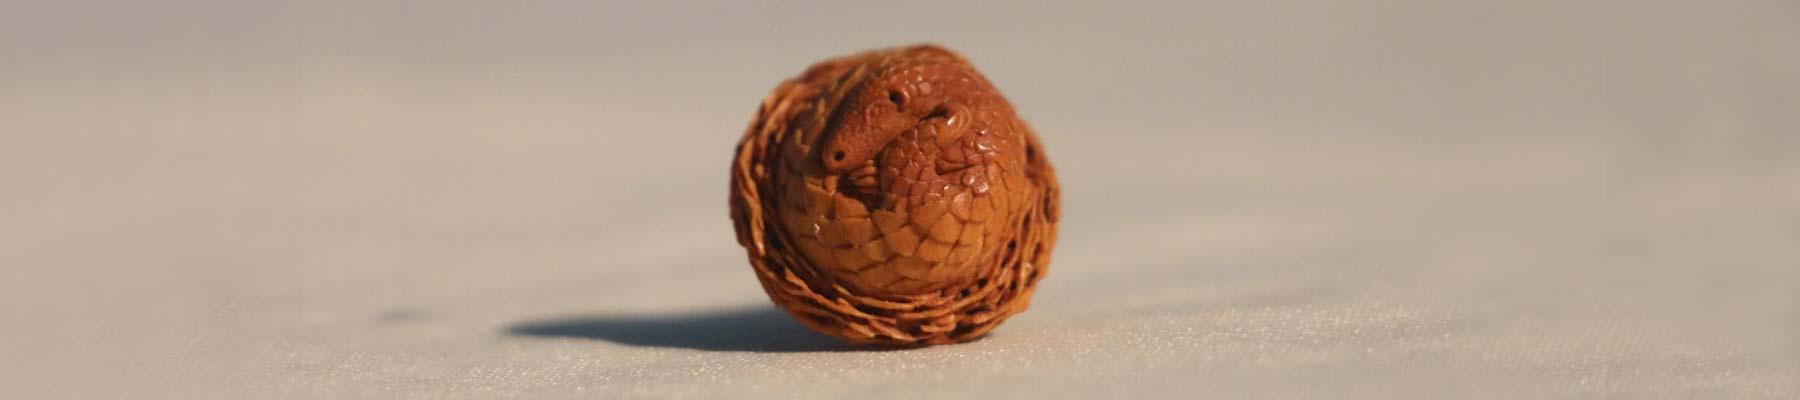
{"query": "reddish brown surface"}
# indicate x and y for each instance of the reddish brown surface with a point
(894, 197)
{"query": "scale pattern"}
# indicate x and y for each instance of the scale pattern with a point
(893, 197)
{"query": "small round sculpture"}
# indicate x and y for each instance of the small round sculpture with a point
(893, 197)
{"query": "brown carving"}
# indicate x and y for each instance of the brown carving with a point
(893, 197)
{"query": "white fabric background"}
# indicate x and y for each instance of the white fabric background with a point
(330, 200)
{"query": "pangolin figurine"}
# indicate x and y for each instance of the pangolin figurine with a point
(893, 197)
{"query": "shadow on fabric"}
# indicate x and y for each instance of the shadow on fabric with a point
(759, 329)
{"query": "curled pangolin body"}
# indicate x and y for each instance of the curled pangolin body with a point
(894, 197)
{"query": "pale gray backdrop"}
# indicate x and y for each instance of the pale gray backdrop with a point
(1386, 199)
